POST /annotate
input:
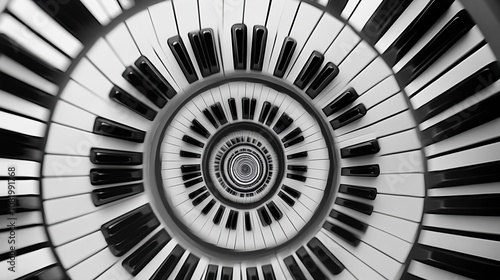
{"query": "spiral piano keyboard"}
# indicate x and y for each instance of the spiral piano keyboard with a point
(249, 139)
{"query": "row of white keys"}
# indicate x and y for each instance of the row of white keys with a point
(31, 261)
(62, 209)
(407, 184)
(81, 249)
(123, 44)
(72, 116)
(232, 13)
(276, 8)
(21, 106)
(472, 156)
(349, 9)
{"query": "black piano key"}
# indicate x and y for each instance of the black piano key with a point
(326, 76)
(113, 129)
(200, 53)
(190, 168)
(265, 219)
(340, 102)
(336, 6)
(292, 134)
(309, 70)
(286, 53)
(208, 207)
(232, 108)
(354, 205)
(361, 171)
(199, 128)
(382, 19)
(348, 117)
(197, 201)
(310, 265)
(288, 200)
(102, 176)
(210, 118)
(346, 235)
(211, 50)
(272, 115)
(283, 123)
(294, 268)
(325, 256)
(408, 276)
(252, 273)
(212, 271)
(415, 30)
(232, 219)
(296, 177)
(115, 157)
(154, 76)
(291, 191)
(51, 272)
(245, 108)
(348, 220)
(219, 113)
(227, 273)
(275, 211)
(132, 103)
(470, 266)
(125, 231)
(362, 149)
(253, 104)
(25, 91)
(472, 205)
(188, 268)
(107, 195)
(239, 38)
(187, 154)
(197, 192)
(9, 205)
(259, 40)
(453, 31)
(362, 192)
(297, 155)
(144, 254)
(264, 111)
(21, 146)
(169, 264)
(219, 214)
(467, 175)
(268, 272)
(248, 222)
(192, 141)
(193, 182)
(298, 168)
(467, 119)
(144, 86)
(181, 55)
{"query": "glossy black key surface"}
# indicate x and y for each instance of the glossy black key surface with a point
(107, 195)
(219, 214)
(219, 113)
(212, 271)
(325, 256)
(297, 155)
(288, 200)
(197, 127)
(382, 19)
(253, 104)
(181, 55)
(298, 168)
(190, 168)
(248, 222)
(211, 50)
(51, 272)
(336, 6)
(325, 77)
(203, 45)
(232, 108)
(239, 38)
(361, 171)
(294, 268)
(208, 207)
(340, 102)
(232, 219)
(210, 118)
(114, 157)
(265, 219)
(169, 264)
(187, 154)
(283, 123)
(296, 177)
(286, 53)
(21, 146)
(310, 265)
(467, 175)
(349, 116)
(291, 191)
(472, 205)
(266, 107)
(362, 192)
(259, 40)
(20, 203)
(25, 91)
(155, 77)
(113, 129)
(362, 149)
(354, 205)
(415, 30)
(473, 116)
(102, 176)
(292, 134)
(200, 198)
(227, 273)
(132, 103)
(192, 141)
(471, 85)
(193, 182)
(346, 235)
(245, 107)
(348, 220)
(144, 254)
(127, 230)
(188, 268)
(144, 86)
(275, 211)
(309, 70)
(272, 115)
(252, 273)
(268, 272)
(453, 31)
(197, 192)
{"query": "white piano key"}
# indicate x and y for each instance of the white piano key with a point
(22, 106)
(409, 162)
(34, 44)
(286, 222)
(67, 114)
(97, 10)
(363, 12)
(79, 250)
(126, 4)
(63, 166)
(22, 238)
(123, 44)
(86, 74)
(425, 271)
(31, 262)
(488, 188)
(342, 46)
(408, 184)
(112, 8)
(468, 245)
(248, 236)
(22, 187)
(26, 218)
(477, 155)
(33, 16)
(58, 210)
(466, 223)
(200, 269)
(398, 248)
(18, 71)
(240, 234)
(262, 237)
(232, 13)
(22, 125)
(24, 168)
(255, 13)
(92, 267)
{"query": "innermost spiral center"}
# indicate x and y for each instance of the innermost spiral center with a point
(245, 167)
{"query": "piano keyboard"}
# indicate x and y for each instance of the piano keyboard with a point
(263, 139)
